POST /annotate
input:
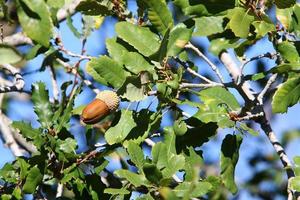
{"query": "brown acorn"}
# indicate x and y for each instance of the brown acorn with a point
(105, 102)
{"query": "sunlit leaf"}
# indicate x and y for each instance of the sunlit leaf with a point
(287, 95)
(119, 132)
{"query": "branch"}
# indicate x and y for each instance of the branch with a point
(245, 90)
(73, 70)
(266, 55)
(54, 83)
(193, 72)
(199, 85)
(266, 127)
(236, 73)
(59, 190)
(19, 82)
(268, 85)
(200, 54)
(7, 135)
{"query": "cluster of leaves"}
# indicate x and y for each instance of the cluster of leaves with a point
(142, 58)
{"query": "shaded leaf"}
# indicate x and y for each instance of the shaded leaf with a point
(159, 15)
(229, 158)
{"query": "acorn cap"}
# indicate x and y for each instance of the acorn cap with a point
(110, 98)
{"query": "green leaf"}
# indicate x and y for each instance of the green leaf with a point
(180, 127)
(220, 44)
(145, 197)
(285, 17)
(229, 158)
(42, 106)
(35, 19)
(214, 113)
(111, 71)
(119, 132)
(141, 38)
(153, 174)
(263, 27)
(93, 7)
(170, 140)
(55, 3)
(244, 127)
(215, 24)
(287, 95)
(219, 96)
(284, 3)
(68, 146)
(132, 89)
(295, 183)
(192, 190)
(26, 130)
(136, 154)
(9, 173)
(9, 55)
(72, 27)
(285, 68)
(216, 102)
(115, 191)
(17, 193)
(96, 76)
(135, 179)
(167, 193)
(193, 163)
(136, 63)
(116, 50)
(24, 166)
(159, 15)
(33, 179)
(180, 35)
(240, 22)
(288, 51)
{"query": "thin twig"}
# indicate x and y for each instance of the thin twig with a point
(19, 82)
(54, 83)
(193, 72)
(73, 70)
(265, 55)
(267, 86)
(200, 54)
(200, 85)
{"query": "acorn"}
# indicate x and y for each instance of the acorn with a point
(105, 102)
